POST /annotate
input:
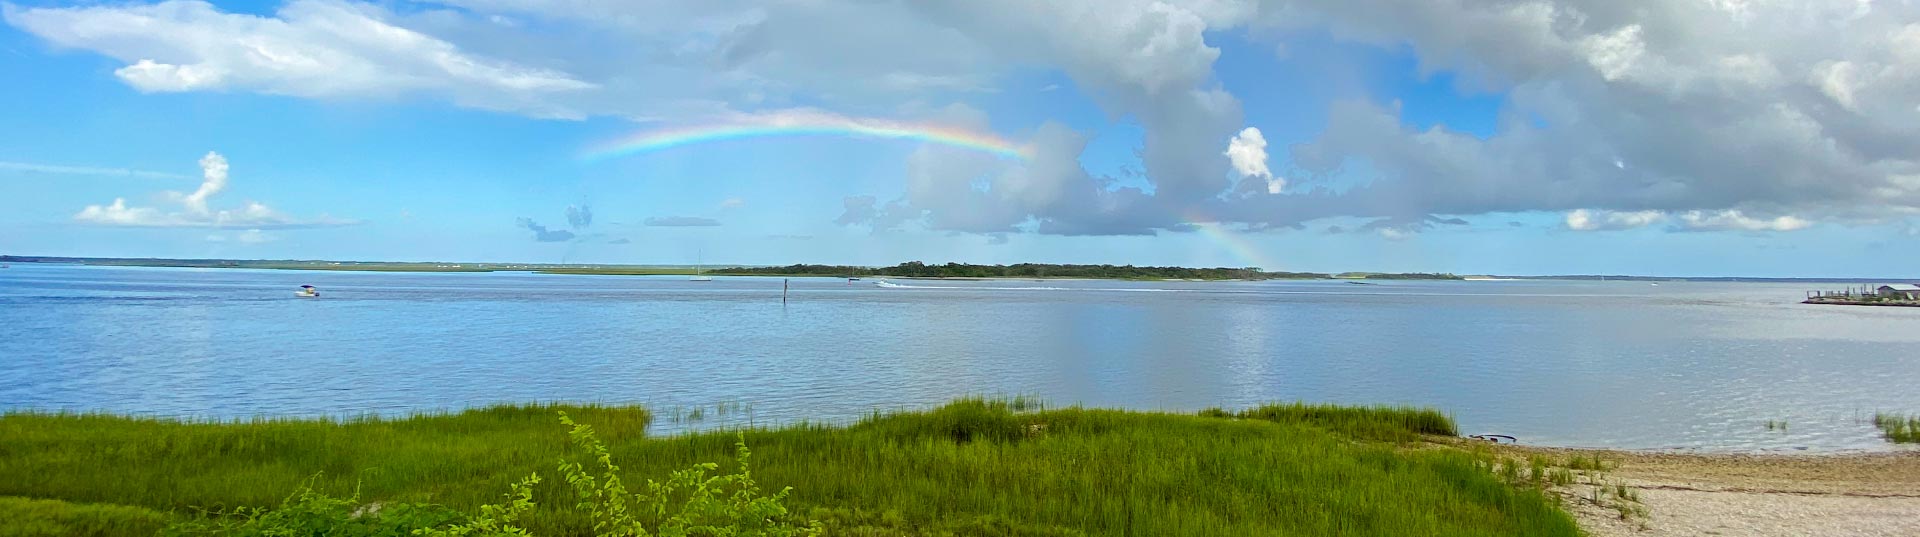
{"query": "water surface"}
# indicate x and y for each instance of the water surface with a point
(1592, 364)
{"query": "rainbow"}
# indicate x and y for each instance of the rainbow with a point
(802, 124)
(1235, 243)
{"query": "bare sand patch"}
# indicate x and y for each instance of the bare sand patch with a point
(1760, 495)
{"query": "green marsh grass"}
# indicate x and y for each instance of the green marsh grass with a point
(1898, 428)
(1382, 423)
(23, 517)
(972, 467)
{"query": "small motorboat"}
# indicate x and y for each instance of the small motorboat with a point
(307, 291)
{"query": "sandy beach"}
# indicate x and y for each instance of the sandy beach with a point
(1867, 494)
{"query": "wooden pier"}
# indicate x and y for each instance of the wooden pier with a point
(1857, 296)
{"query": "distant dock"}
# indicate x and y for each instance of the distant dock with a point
(1898, 295)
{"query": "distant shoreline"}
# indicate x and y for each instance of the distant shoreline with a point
(910, 270)
(684, 270)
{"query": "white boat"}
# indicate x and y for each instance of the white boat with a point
(698, 274)
(307, 291)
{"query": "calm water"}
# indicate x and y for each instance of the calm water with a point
(1618, 364)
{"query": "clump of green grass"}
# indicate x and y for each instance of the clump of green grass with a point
(1560, 476)
(1898, 428)
(24, 517)
(1586, 462)
(1384, 423)
(973, 467)
(1537, 469)
(310, 512)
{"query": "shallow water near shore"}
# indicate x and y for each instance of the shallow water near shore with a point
(1684, 365)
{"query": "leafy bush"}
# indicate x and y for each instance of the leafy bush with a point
(687, 503)
(494, 519)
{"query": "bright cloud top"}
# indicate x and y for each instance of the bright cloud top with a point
(1248, 153)
(804, 123)
(194, 210)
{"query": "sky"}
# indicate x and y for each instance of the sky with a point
(1772, 138)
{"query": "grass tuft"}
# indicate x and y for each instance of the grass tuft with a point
(24, 517)
(1898, 428)
(1383, 423)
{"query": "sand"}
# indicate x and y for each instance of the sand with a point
(1750, 495)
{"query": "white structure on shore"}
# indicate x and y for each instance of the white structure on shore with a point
(1901, 291)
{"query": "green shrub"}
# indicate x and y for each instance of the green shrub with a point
(687, 503)
(310, 512)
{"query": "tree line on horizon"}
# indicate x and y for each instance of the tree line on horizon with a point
(916, 269)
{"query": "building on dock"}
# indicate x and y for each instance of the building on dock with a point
(1899, 291)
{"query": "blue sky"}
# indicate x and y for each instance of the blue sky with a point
(1555, 137)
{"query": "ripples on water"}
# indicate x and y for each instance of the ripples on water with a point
(1613, 364)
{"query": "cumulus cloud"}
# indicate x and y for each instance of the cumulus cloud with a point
(1247, 152)
(214, 168)
(543, 233)
(1801, 107)
(194, 210)
(681, 221)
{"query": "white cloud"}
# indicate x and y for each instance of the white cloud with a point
(1838, 80)
(732, 203)
(1630, 105)
(214, 168)
(1734, 220)
(87, 170)
(194, 211)
(1614, 54)
(308, 48)
(1247, 152)
(1595, 220)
